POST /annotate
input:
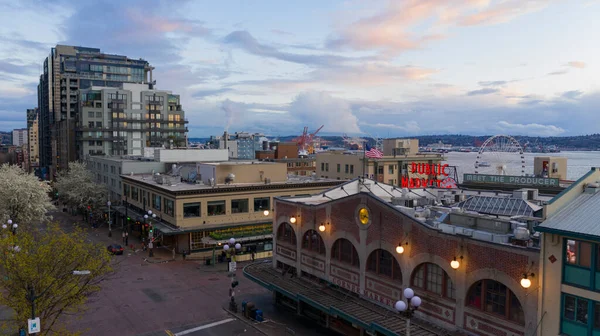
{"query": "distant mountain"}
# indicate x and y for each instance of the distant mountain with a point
(580, 142)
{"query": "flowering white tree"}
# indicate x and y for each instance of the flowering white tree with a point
(77, 187)
(24, 199)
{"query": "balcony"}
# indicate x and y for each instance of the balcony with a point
(117, 109)
(118, 101)
(154, 102)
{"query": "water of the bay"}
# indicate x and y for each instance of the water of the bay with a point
(578, 163)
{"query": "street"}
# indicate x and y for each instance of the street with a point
(168, 298)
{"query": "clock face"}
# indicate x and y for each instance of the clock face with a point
(363, 215)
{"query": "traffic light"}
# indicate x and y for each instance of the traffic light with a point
(128, 219)
(234, 284)
(151, 229)
(89, 207)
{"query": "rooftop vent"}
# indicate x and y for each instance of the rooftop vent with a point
(592, 188)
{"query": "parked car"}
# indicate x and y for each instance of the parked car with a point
(115, 249)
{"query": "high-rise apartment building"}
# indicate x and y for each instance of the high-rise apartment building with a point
(33, 155)
(67, 70)
(19, 137)
(125, 120)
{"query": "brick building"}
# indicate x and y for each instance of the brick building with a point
(357, 239)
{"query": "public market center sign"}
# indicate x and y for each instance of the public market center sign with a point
(511, 180)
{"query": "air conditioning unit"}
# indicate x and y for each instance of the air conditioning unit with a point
(409, 203)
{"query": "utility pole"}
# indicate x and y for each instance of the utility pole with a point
(109, 220)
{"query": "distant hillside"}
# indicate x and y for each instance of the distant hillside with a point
(581, 142)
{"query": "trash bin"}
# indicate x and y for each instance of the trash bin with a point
(249, 307)
(259, 315)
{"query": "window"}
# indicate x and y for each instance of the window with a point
(322, 166)
(338, 167)
(344, 251)
(215, 208)
(98, 114)
(191, 210)
(496, 299)
(286, 234)
(390, 169)
(579, 253)
(434, 279)
(112, 169)
(312, 241)
(380, 170)
(90, 114)
(262, 203)
(596, 315)
(169, 207)
(326, 166)
(134, 193)
(347, 169)
(383, 263)
(126, 190)
(239, 205)
(576, 314)
(351, 169)
(156, 202)
(578, 266)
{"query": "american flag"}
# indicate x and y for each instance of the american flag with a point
(374, 153)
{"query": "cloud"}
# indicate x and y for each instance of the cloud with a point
(572, 94)
(281, 32)
(493, 83)
(407, 127)
(393, 28)
(482, 92)
(576, 64)
(319, 108)
(245, 41)
(201, 94)
(558, 73)
(530, 129)
(9, 67)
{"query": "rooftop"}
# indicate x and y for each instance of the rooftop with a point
(239, 163)
(172, 183)
(580, 216)
(496, 216)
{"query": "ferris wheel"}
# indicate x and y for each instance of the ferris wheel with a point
(500, 155)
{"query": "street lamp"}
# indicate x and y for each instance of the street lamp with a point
(11, 225)
(150, 233)
(109, 220)
(409, 307)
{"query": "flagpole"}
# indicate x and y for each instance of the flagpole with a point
(365, 160)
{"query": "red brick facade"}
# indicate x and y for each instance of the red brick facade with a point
(386, 229)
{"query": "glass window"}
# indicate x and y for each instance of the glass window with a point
(434, 279)
(344, 251)
(312, 241)
(191, 210)
(338, 167)
(597, 315)
(261, 204)
(98, 114)
(351, 169)
(239, 205)
(90, 114)
(390, 169)
(286, 234)
(215, 208)
(347, 169)
(383, 263)
(169, 207)
(134, 193)
(579, 253)
(156, 202)
(495, 298)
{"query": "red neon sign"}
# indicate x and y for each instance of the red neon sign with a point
(439, 172)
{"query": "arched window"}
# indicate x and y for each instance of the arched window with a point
(434, 279)
(495, 298)
(344, 251)
(286, 234)
(383, 263)
(312, 241)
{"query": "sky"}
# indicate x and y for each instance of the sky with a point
(359, 67)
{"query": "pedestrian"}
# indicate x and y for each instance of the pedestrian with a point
(183, 253)
(253, 255)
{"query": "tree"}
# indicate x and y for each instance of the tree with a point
(24, 198)
(78, 188)
(44, 262)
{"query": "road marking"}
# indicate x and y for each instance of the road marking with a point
(206, 326)
(169, 333)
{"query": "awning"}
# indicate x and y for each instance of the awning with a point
(166, 228)
(209, 240)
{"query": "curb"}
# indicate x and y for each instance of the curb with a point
(245, 321)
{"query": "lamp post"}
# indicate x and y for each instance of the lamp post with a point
(231, 248)
(12, 226)
(109, 220)
(408, 308)
(150, 233)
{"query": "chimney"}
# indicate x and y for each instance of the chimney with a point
(226, 139)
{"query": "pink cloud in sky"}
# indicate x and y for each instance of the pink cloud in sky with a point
(392, 30)
(577, 64)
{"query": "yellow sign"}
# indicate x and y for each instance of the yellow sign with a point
(363, 215)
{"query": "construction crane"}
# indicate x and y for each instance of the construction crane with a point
(305, 141)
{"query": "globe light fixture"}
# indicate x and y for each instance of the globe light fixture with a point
(525, 282)
(407, 308)
(400, 306)
(9, 222)
(293, 220)
(238, 246)
(454, 263)
(149, 212)
(322, 227)
(266, 212)
(225, 247)
(399, 248)
(409, 293)
(231, 241)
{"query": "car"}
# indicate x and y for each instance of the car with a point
(115, 249)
